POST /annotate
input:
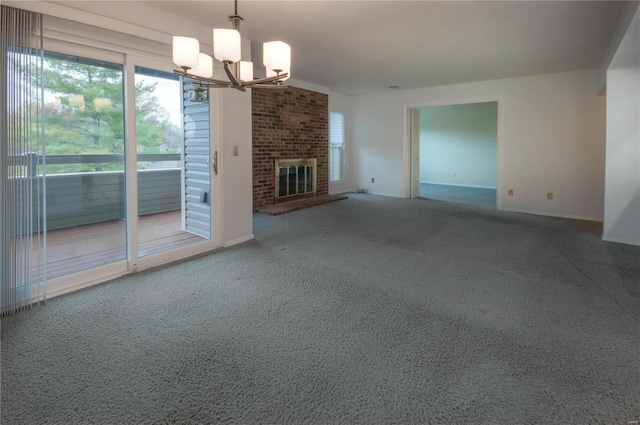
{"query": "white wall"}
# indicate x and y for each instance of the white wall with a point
(551, 138)
(236, 171)
(622, 194)
(344, 104)
(458, 144)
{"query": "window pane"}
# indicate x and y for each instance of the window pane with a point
(335, 163)
(158, 120)
(336, 146)
(83, 115)
(84, 147)
(336, 128)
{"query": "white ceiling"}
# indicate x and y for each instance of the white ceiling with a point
(358, 47)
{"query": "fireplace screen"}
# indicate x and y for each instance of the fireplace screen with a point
(295, 177)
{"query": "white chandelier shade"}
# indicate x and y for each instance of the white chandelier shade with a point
(227, 45)
(186, 52)
(276, 56)
(246, 71)
(205, 66)
(227, 48)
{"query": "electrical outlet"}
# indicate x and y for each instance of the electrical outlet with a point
(373, 179)
(235, 150)
(550, 196)
(510, 192)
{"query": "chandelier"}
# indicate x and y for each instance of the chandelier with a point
(227, 49)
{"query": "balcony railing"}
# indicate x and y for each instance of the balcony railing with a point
(75, 199)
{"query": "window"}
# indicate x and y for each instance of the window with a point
(336, 147)
(83, 115)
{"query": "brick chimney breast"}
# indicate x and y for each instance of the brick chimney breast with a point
(288, 123)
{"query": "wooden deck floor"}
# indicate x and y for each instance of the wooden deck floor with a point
(84, 247)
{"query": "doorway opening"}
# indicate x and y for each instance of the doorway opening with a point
(454, 153)
(164, 125)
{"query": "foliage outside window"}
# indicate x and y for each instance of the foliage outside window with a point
(84, 115)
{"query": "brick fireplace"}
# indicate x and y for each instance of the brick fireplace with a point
(288, 124)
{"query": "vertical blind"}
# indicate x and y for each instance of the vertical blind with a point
(22, 268)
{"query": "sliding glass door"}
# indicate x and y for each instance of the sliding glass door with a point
(125, 168)
(84, 160)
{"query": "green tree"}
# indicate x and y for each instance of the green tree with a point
(79, 125)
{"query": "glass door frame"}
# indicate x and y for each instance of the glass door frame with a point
(141, 263)
(81, 279)
(89, 277)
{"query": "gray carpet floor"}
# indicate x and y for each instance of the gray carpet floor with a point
(371, 310)
(459, 194)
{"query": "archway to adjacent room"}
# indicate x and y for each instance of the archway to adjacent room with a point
(453, 153)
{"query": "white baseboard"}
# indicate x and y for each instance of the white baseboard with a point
(384, 194)
(460, 185)
(339, 189)
(618, 240)
(239, 240)
(548, 214)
